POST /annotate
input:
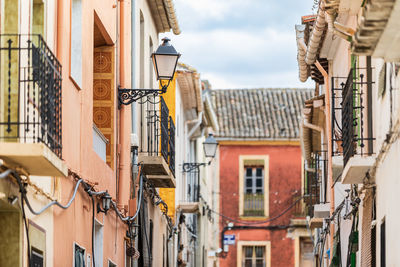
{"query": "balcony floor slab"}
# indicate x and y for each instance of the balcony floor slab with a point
(356, 168)
(189, 207)
(162, 181)
(36, 158)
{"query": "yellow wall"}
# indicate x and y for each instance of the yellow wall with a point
(9, 25)
(168, 194)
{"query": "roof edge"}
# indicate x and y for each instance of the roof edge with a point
(172, 18)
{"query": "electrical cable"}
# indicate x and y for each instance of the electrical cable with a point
(127, 218)
(147, 240)
(259, 222)
(93, 229)
(26, 226)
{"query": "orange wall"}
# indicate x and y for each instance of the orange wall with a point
(74, 224)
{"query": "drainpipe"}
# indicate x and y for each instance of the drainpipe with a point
(133, 62)
(329, 141)
(124, 116)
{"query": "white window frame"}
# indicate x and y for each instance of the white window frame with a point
(110, 261)
(241, 244)
(73, 252)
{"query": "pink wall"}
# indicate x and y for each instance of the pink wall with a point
(75, 224)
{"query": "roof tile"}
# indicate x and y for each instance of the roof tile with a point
(259, 113)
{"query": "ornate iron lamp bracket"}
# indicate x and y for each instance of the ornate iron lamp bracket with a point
(190, 166)
(127, 96)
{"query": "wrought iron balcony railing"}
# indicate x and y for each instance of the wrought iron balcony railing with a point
(350, 133)
(253, 204)
(171, 144)
(158, 132)
(30, 87)
(315, 182)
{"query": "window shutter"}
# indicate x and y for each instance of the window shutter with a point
(366, 252)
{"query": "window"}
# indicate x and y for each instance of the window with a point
(111, 264)
(253, 185)
(254, 191)
(254, 180)
(253, 256)
(98, 244)
(37, 258)
(79, 256)
(383, 244)
(76, 42)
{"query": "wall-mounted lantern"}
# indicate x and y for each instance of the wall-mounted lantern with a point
(106, 203)
(210, 149)
(165, 60)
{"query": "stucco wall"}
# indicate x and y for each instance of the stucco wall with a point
(284, 179)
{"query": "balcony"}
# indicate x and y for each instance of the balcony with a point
(190, 203)
(30, 105)
(157, 149)
(315, 185)
(352, 131)
(253, 204)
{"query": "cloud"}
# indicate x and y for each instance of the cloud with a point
(241, 44)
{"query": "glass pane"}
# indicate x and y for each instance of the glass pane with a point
(248, 252)
(247, 263)
(260, 263)
(249, 172)
(259, 190)
(259, 172)
(165, 65)
(259, 182)
(249, 191)
(249, 182)
(259, 252)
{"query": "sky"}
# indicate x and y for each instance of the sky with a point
(241, 43)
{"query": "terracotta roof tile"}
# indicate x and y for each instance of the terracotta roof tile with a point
(259, 113)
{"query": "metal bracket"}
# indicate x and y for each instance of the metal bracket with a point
(190, 166)
(126, 96)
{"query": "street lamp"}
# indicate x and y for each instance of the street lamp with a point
(165, 60)
(210, 149)
(106, 201)
(210, 146)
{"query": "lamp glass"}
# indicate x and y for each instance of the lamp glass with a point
(106, 202)
(165, 65)
(210, 146)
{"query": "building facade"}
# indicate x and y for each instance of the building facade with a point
(260, 176)
(70, 179)
(350, 134)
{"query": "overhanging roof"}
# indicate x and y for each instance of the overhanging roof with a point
(163, 12)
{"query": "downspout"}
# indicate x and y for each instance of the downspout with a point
(133, 63)
(124, 141)
(329, 141)
(60, 23)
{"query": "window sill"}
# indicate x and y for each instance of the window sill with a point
(253, 218)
